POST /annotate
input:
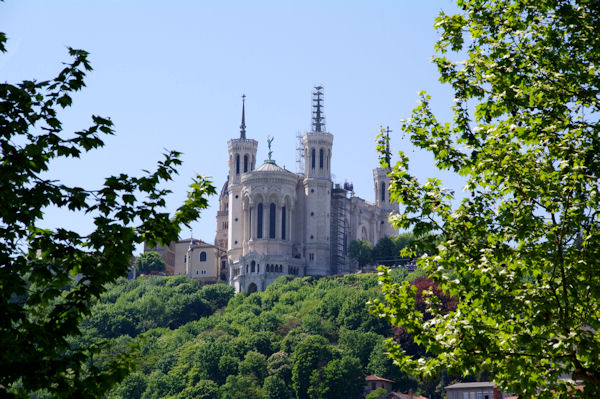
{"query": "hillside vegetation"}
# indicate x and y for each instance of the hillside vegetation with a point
(301, 338)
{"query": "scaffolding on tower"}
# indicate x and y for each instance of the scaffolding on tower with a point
(299, 154)
(338, 235)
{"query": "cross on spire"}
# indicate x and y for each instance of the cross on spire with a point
(388, 154)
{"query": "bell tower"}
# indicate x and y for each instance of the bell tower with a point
(381, 179)
(242, 159)
(317, 189)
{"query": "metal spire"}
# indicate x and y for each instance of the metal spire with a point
(243, 125)
(318, 118)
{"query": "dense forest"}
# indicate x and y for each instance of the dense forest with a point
(301, 338)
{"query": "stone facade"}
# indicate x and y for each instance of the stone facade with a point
(275, 222)
(196, 258)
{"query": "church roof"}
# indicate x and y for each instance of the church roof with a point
(224, 190)
(270, 167)
(269, 170)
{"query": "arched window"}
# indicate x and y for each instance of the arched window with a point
(313, 158)
(283, 223)
(382, 192)
(237, 164)
(202, 256)
(321, 158)
(245, 163)
(259, 221)
(252, 288)
(252, 266)
(272, 220)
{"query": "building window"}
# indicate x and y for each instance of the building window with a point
(312, 158)
(252, 266)
(203, 271)
(283, 223)
(272, 220)
(479, 395)
(237, 164)
(245, 163)
(259, 221)
(311, 257)
(202, 256)
(382, 192)
(373, 386)
(321, 158)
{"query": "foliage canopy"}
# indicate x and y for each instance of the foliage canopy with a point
(524, 242)
(149, 262)
(50, 278)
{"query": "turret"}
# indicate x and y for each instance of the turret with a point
(317, 189)
(242, 159)
(381, 181)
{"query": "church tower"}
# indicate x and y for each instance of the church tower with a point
(382, 181)
(317, 190)
(242, 159)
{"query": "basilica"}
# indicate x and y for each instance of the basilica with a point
(275, 222)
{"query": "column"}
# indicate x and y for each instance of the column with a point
(278, 207)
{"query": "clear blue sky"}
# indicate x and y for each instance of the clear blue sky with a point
(170, 74)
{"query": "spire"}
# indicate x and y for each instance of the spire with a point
(318, 117)
(243, 125)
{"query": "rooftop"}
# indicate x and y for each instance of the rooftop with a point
(462, 385)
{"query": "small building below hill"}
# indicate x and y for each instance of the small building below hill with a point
(398, 395)
(473, 390)
(374, 382)
(196, 258)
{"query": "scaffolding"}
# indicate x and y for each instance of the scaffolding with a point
(338, 231)
(299, 154)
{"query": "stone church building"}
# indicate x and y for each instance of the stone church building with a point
(274, 222)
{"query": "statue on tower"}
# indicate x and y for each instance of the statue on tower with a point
(269, 141)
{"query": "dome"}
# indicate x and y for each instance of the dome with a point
(270, 167)
(270, 171)
(224, 190)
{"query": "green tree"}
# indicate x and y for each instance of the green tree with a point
(402, 241)
(340, 378)
(204, 389)
(524, 242)
(149, 262)
(276, 388)
(254, 366)
(41, 301)
(240, 386)
(361, 251)
(385, 252)
(311, 353)
(377, 394)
